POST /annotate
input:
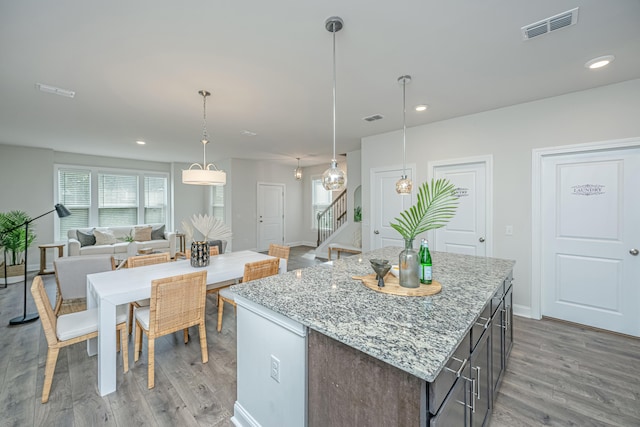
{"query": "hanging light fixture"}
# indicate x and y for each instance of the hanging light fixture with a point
(404, 185)
(334, 178)
(297, 172)
(204, 174)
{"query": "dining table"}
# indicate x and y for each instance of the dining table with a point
(107, 290)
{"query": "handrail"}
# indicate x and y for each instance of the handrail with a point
(330, 219)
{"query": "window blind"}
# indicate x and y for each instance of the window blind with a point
(117, 200)
(155, 199)
(74, 192)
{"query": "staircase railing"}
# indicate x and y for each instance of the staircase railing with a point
(330, 219)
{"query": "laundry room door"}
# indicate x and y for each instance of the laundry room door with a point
(590, 238)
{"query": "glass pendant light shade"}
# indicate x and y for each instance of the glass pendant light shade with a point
(204, 174)
(297, 172)
(334, 178)
(404, 184)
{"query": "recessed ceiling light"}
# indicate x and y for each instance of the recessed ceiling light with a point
(55, 90)
(248, 133)
(421, 107)
(140, 142)
(600, 62)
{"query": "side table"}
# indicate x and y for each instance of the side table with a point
(181, 242)
(43, 256)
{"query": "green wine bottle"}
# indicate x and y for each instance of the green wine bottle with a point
(425, 263)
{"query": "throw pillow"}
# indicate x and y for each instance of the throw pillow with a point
(86, 238)
(104, 237)
(157, 233)
(142, 234)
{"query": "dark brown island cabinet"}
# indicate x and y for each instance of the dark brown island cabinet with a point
(318, 349)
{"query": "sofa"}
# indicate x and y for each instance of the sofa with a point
(114, 240)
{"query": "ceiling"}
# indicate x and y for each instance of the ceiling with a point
(137, 66)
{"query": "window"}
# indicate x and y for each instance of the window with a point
(74, 192)
(155, 199)
(110, 198)
(320, 199)
(217, 202)
(117, 200)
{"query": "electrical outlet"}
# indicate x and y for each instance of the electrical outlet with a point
(508, 230)
(275, 368)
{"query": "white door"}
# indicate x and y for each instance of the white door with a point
(270, 215)
(466, 233)
(386, 205)
(590, 239)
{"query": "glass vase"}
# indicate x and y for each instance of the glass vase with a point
(199, 254)
(408, 265)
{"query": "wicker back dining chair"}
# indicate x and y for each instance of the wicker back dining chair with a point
(213, 251)
(252, 271)
(71, 328)
(141, 261)
(279, 251)
(177, 302)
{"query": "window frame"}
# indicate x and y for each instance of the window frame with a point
(314, 219)
(94, 172)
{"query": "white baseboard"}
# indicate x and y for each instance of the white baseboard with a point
(312, 244)
(522, 310)
(241, 418)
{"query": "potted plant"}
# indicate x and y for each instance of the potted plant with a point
(13, 241)
(437, 204)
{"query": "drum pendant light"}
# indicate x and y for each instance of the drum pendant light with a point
(204, 174)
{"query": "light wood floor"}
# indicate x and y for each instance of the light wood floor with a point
(558, 375)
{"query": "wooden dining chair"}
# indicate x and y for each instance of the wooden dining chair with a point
(279, 251)
(70, 329)
(177, 303)
(252, 271)
(213, 251)
(141, 261)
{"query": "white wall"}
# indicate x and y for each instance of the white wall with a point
(243, 181)
(26, 177)
(509, 134)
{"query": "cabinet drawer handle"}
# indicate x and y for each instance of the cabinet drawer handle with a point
(463, 363)
(486, 324)
(477, 368)
(506, 322)
(472, 393)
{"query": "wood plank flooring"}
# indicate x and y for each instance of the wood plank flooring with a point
(558, 375)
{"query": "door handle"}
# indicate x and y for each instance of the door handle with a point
(481, 240)
(376, 232)
(634, 252)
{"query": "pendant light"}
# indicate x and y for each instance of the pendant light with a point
(404, 185)
(334, 178)
(297, 172)
(204, 174)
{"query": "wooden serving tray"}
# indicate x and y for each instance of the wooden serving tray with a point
(392, 286)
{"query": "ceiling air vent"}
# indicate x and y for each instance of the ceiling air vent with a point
(373, 118)
(553, 23)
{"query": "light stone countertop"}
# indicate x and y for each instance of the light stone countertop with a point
(415, 334)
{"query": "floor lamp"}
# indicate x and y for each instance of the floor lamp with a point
(26, 318)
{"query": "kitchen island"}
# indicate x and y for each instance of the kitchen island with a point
(316, 347)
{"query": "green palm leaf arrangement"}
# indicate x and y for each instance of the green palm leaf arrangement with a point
(437, 204)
